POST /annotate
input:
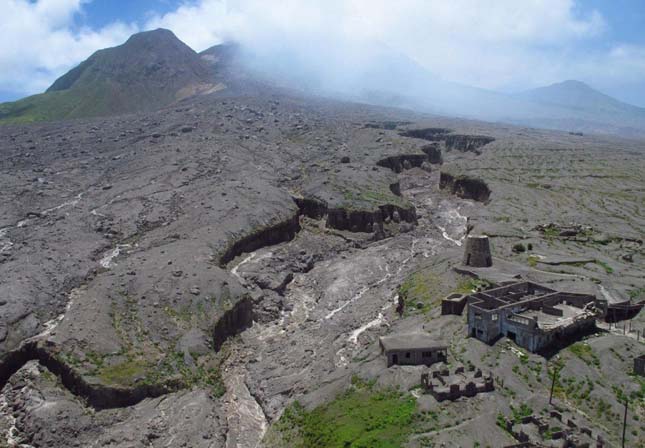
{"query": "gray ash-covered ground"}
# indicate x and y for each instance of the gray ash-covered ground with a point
(180, 278)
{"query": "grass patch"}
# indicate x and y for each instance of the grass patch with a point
(585, 353)
(608, 269)
(423, 287)
(137, 369)
(125, 373)
(550, 233)
(468, 284)
(359, 199)
(636, 293)
(362, 417)
(524, 410)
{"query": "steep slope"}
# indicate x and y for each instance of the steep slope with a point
(150, 70)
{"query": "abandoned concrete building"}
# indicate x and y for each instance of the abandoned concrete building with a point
(532, 315)
(412, 349)
(477, 252)
(443, 384)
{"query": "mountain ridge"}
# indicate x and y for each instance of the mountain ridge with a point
(153, 69)
(150, 70)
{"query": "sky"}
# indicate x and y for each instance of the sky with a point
(503, 45)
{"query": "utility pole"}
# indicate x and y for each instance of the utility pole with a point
(555, 373)
(625, 422)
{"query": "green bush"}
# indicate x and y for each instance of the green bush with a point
(519, 248)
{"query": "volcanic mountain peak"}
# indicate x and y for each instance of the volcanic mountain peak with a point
(152, 69)
(154, 56)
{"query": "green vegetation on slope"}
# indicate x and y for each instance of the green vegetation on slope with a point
(94, 99)
(42, 107)
(357, 197)
(585, 353)
(362, 417)
(149, 71)
(421, 288)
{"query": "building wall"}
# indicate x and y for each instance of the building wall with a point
(482, 324)
(454, 304)
(415, 358)
(524, 335)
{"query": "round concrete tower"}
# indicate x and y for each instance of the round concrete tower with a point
(477, 252)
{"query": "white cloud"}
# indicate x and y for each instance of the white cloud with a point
(505, 44)
(486, 44)
(38, 44)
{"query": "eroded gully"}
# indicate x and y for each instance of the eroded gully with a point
(327, 311)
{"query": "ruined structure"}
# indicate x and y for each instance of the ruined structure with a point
(453, 304)
(554, 429)
(477, 252)
(617, 312)
(639, 365)
(412, 349)
(532, 315)
(445, 385)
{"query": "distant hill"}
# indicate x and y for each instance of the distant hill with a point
(580, 96)
(150, 70)
(574, 105)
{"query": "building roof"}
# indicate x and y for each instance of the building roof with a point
(411, 341)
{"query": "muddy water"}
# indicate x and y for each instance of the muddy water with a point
(451, 222)
(245, 418)
(107, 261)
(12, 435)
(5, 243)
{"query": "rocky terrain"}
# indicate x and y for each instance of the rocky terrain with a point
(184, 277)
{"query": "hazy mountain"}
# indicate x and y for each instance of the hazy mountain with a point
(155, 68)
(578, 95)
(374, 73)
(575, 105)
(150, 70)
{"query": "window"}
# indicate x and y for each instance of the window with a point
(427, 354)
(494, 317)
(407, 355)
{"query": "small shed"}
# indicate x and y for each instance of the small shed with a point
(412, 349)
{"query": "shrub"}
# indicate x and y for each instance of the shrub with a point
(519, 248)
